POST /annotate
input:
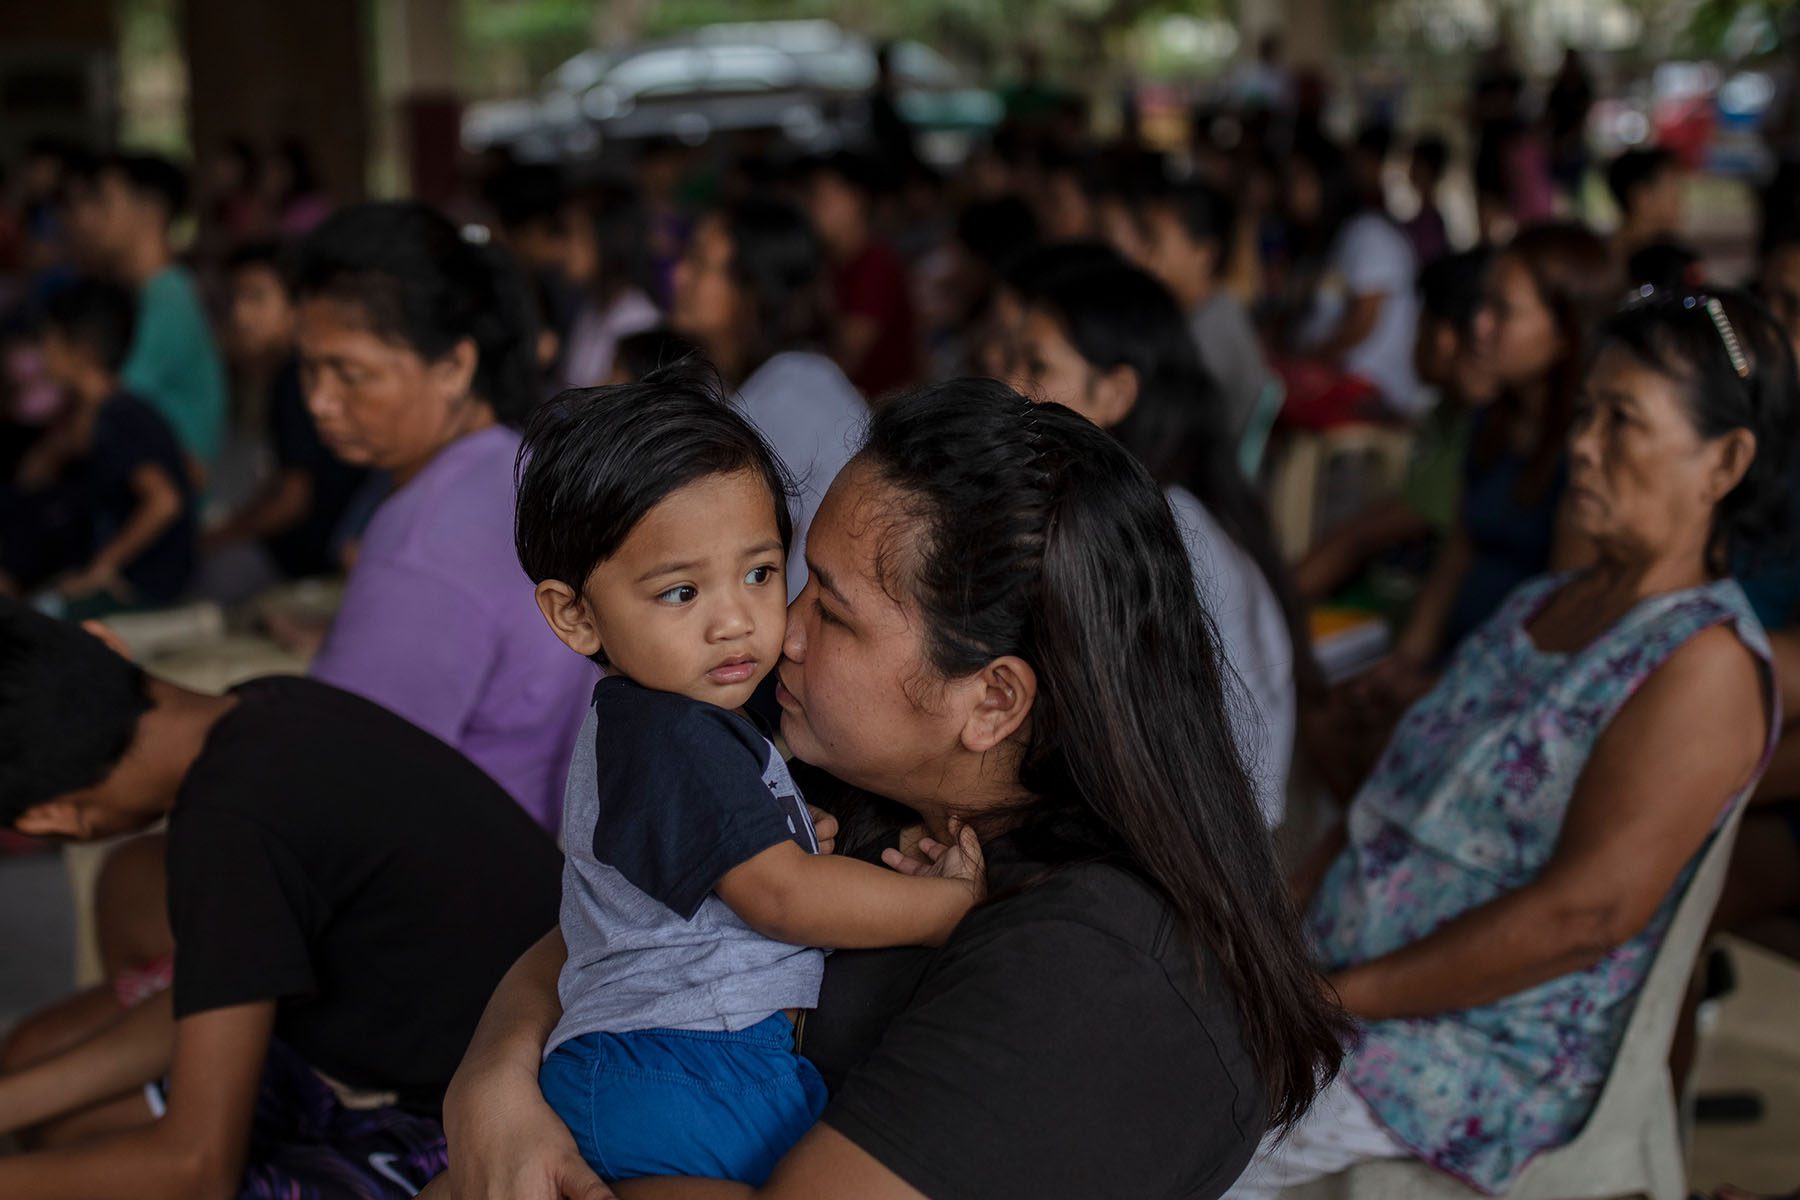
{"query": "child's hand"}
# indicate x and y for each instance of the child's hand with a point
(825, 829)
(961, 860)
(79, 585)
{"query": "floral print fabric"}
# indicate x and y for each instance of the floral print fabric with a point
(1466, 805)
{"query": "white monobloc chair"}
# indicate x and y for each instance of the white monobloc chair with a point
(1631, 1144)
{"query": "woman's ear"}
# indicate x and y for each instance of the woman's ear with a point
(1733, 453)
(455, 371)
(569, 617)
(1004, 692)
(1115, 395)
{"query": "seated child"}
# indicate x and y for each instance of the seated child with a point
(285, 529)
(654, 521)
(111, 459)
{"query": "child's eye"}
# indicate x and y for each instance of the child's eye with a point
(681, 594)
(759, 575)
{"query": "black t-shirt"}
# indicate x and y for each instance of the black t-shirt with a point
(1062, 1043)
(305, 548)
(128, 434)
(326, 854)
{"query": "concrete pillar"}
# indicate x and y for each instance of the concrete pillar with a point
(265, 69)
(419, 42)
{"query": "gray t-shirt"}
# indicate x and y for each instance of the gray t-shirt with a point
(666, 796)
(1232, 356)
(1258, 651)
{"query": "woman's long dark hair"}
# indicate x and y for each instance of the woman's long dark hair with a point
(1578, 281)
(421, 285)
(778, 262)
(1116, 315)
(1030, 532)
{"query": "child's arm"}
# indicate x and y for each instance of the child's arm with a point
(128, 1053)
(195, 1152)
(846, 904)
(158, 507)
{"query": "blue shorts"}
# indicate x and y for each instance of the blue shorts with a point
(705, 1104)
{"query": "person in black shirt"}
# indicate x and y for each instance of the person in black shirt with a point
(344, 891)
(295, 514)
(1000, 624)
(111, 459)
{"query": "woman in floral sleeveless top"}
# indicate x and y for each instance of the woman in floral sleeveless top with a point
(1505, 877)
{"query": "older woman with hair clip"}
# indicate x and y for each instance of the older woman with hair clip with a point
(751, 293)
(417, 350)
(1492, 904)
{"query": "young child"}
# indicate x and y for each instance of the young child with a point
(654, 521)
(113, 457)
(1188, 232)
(288, 527)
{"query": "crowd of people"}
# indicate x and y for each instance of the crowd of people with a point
(839, 553)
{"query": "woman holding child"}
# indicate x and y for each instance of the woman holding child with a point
(1131, 1007)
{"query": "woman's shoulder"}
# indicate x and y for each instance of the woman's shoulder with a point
(800, 378)
(457, 513)
(1078, 908)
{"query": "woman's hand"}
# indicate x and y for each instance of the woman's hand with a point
(505, 1142)
(961, 860)
(511, 1146)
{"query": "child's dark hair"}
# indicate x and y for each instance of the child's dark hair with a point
(421, 285)
(153, 176)
(1205, 212)
(69, 708)
(264, 255)
(640, 354)
(97, 315)
(1432, 153)
(1675, 335)
(1635, 168)
(595, 461)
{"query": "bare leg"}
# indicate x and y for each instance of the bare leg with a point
(131, 905)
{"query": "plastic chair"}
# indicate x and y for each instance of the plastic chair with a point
(1631, 1144)
(1364, 461)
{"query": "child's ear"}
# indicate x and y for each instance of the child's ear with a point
(569, 617)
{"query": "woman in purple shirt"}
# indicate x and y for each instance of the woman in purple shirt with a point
(416, 348)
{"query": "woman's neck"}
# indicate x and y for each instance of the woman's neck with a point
(1629, 577)
(982, 789)
(474, 416)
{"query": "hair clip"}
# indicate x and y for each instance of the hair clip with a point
(1734, 350)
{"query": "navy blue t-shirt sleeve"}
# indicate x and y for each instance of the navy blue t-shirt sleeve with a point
(682, 795)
